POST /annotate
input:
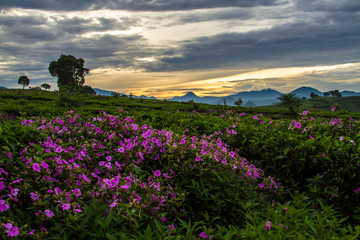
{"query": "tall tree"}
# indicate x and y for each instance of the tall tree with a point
(69, 70)
(290, 101)
(24, 81)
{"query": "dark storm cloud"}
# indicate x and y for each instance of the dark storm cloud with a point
(326, 40)
(219, 14)
(109, 50)
(24, 29)
(32, 39)
(37, 28)
(136, 5)
(12, 21)
(329, 6)
(77, 25)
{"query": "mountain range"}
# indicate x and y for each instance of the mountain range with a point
(254, 98)
(249, 98)
(109, 93)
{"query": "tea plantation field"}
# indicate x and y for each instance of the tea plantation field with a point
(75, 167)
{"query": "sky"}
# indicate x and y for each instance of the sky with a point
(166, 48)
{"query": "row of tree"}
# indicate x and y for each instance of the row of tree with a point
(70, 72)
(334, 93)
(25, 81)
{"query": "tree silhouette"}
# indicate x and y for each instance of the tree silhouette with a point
(335, 93)
(24, 81)
(239, 102)
(115, 94)
(312, 95)
(69, 70)
(290, 101)
(45, 86)
(89, 90)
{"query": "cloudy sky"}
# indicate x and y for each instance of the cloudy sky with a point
(165, 48)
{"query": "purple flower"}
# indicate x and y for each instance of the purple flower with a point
(125, 186)
(157, 173)
(8, 225)
(99, 130)
(267, 225)
(306, 112)
(65, 206)
(58, 191)
(108, 158)
(182, 141)
(163, 219)
(113, 204)
(44, 165)
(14, 192)
(2, 185)
(85, 178)
(31, 232)
(165, 175)
(172, 227)
(36, 167)
(77, 192)
(34, 196)
(197, 159)
(49, 213)
(203, 235)
(3, 206)
(298, 125)
(13, 232)
(108, 165)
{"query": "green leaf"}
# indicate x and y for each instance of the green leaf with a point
(6, 148)
(38, 148)
(110, 237)
(50, 154)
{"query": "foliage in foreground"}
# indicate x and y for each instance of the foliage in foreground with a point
(126, 170)
(108, 177)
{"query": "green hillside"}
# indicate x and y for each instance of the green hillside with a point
(350, 104)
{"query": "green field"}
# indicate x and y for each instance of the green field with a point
(97, 167)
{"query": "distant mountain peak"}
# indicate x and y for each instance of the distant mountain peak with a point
(304, 88)
(306, 91)
(190, 94)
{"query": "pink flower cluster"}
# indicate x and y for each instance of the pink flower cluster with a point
(103, 157)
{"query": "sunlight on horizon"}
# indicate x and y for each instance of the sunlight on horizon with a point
(221, 86)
